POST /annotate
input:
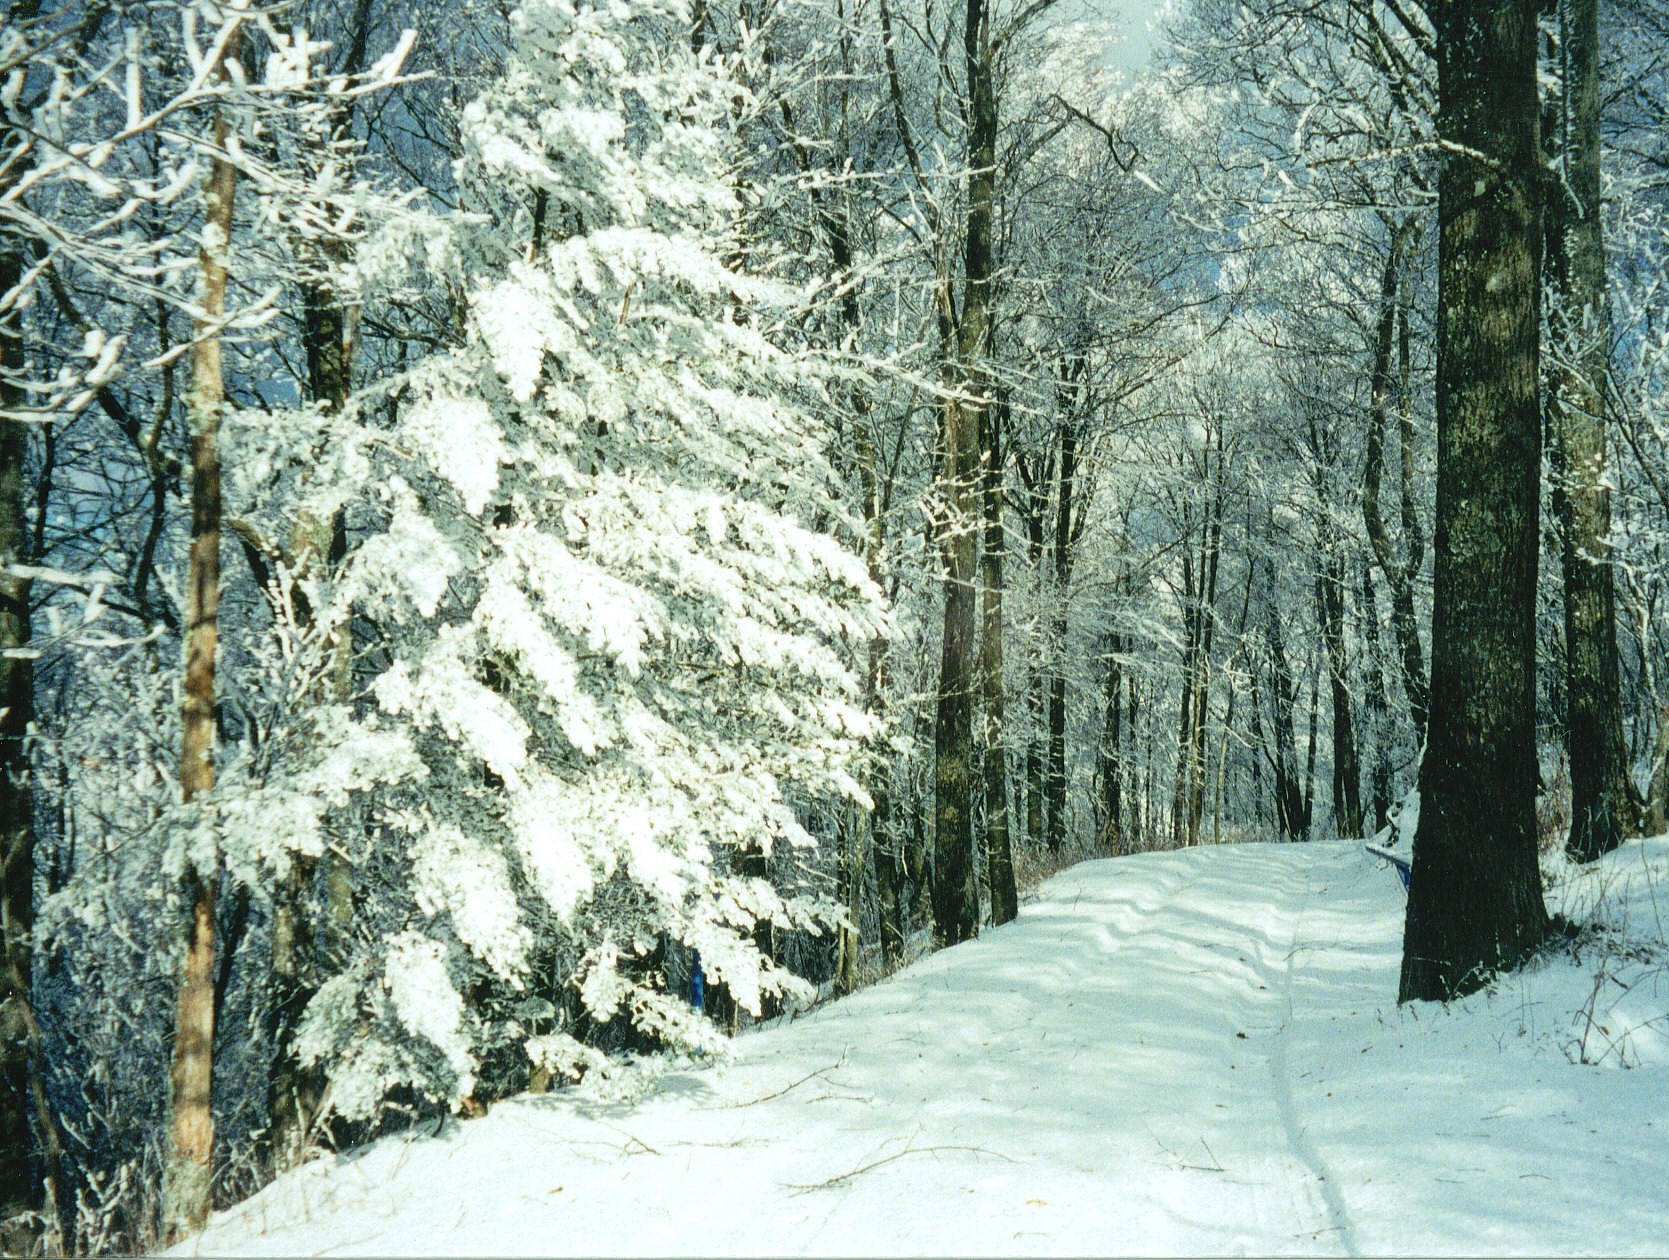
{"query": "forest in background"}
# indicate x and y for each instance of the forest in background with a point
(503, 506)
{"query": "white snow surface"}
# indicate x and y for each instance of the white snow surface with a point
(1183, 1053)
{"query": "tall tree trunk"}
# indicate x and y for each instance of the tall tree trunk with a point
(955, 889)
(1347, 774)
(1603, 810)
(878, 774)
(302, 952)
(1036, 702)
(955, 895)
(1054, 780)
(1054, 794)
(1136, 807)
(1207, 629)
(188, 1175)
(1289, 788)
(1375, 708)
(889, 889)
(1309, 757)
(1185, 706)
(1110, 756)
(17, 709)
(999, 855)
(1035, 474)
(1475, 901)
(1399, 571)
(1150, 821)
(913, 829)
(1656, 813)
(1199, 622)
(853, 861)
(1228, 712)
(1262, 751)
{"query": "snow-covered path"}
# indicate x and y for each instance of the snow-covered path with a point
(1192, 1053)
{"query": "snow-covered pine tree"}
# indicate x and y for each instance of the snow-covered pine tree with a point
(616, 588)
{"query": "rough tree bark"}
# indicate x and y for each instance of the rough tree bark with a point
(1603, 809)
(187, 1176)
(1475, 901)
(955, 889)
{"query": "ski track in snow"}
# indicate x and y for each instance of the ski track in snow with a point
(1181, 1053)
(1280, 1077)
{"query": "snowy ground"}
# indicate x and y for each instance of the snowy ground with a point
(1193, 1052)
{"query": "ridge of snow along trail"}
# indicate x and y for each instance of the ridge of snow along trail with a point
(1192, 1053)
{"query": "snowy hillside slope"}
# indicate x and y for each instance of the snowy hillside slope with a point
(1194, 1052)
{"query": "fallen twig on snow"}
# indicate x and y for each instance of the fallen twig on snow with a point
(831, 1182)
(752, 1102)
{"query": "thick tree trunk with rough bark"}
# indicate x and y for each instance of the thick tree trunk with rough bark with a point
(954, 892)
(1475, 901)
(955, 889)
(955, 895)
(1603, 810)
(187, 1176)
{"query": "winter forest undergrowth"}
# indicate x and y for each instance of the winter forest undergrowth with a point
(536, 538)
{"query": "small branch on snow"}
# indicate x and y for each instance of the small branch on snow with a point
(752, 1102)
(631, 1139)
(1216, 1165)
(832, 1182)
